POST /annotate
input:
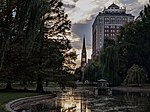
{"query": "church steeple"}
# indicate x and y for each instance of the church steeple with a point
(83, 57)
(83, 43)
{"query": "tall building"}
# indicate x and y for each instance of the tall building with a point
(83, 55)
(107, 25)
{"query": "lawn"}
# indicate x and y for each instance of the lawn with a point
(5, 97)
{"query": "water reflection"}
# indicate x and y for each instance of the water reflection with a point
(82, 101)
(72, 102)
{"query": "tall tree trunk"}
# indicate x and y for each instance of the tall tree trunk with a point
(46, 83)
(39, 87)
(8, 86)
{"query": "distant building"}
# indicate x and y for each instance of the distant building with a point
(83, 55)
(83, 59)
(107, 25)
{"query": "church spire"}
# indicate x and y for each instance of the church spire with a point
(83, 55)
(83, 43)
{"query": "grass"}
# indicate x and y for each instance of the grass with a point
(5, 97)
(18, 92)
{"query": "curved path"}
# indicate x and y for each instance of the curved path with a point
(22, 103)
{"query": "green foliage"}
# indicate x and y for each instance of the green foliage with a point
(92, 71)
(135, 75)
(7, 24)
(109, 42)
(110, 63)
(133, 43)
(131, 47)
(78, 74)
(106, 65)
(36, 45)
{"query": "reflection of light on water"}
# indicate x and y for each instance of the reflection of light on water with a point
(68, 103)
(73, 102)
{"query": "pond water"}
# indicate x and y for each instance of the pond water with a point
(83, 100)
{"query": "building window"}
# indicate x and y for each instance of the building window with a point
(112, 19)
(119, 21)
(113, 26)
(106, 20)
(106, 35)
(100, 20)
(118, 27)
(124, 19)
(131, 19)
(106, 26)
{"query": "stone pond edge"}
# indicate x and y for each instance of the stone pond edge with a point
(10, 105)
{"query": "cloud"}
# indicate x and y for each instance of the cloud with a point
(127, 1)
(69, 6)
(75, 40)
(74, 37)
(80, 11)
(133, 6)
(77, 45)
(83, 12)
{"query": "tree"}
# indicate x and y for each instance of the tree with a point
(93, 71)
(78, 74)
(106, 64)
(135, 75)
(39, 44)
(6, 36)
(61, 62)
(133, 43)
(110, 64)
(54, 29)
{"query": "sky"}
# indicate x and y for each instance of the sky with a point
(82, 14)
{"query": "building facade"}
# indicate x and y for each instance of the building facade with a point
(107, 25)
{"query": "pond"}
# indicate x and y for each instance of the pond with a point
(83, 100)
